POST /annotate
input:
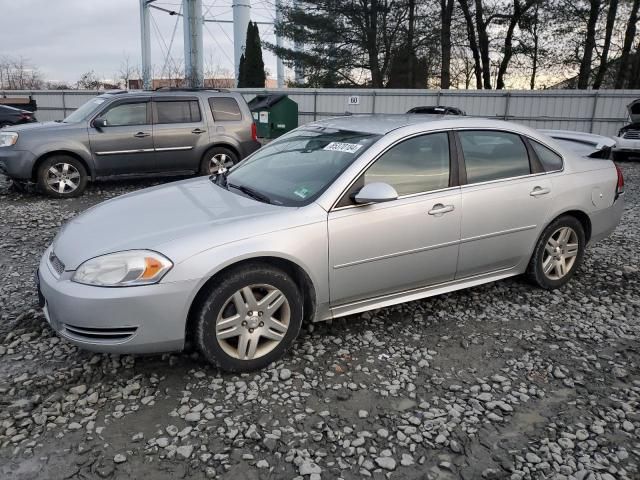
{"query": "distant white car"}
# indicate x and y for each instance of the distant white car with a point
(628, 139)
(583, 144)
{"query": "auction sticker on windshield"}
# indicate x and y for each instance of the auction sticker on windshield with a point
(302, 192)
(343, 147)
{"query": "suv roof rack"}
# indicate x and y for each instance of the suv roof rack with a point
(189, 89)
(116, 92)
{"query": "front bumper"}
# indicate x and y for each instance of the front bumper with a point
(627, 145)
(16, 164)
(144, 319)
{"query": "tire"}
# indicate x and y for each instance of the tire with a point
(223, 155)
(232, 338)
(562, 263)
(70, 173)
(621, 156)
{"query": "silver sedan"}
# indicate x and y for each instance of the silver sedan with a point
(335, 218)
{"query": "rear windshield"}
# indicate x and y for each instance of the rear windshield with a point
(297, 168)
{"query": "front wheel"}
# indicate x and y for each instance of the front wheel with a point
(558, 253)
(62, 176)
(250, 318)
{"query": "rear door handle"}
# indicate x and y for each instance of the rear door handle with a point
(198, 131)
(439, 209)
(537, 191)
(142, 134)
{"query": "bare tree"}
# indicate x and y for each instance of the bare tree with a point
(127, 71)
(17, 73)
(630, 33)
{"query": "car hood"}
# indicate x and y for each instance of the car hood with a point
(40, 126)
(634, 111)
(158, 217)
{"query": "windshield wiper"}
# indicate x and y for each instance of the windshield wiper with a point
(261, 197)
(220, 178)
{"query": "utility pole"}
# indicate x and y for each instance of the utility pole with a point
(145, 39)
(279, 64)
(241, 17)
(192, 28)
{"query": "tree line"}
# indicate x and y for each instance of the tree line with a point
(483, 44)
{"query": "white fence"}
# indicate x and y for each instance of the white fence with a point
(596, 111)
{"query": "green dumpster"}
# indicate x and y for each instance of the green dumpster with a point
(274, 114)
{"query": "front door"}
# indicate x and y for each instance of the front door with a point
(125, 144)
(402, 244)
(504, 205)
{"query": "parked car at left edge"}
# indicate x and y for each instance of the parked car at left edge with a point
(15, 116)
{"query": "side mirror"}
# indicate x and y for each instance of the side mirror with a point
(99, 123)
(376, 192)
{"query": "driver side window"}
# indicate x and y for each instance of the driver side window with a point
(419, 164)
(127, 114)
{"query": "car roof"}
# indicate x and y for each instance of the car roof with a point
(381, 124)
(165, 91)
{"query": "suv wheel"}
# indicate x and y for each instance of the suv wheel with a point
(217, 158)
(249, 318)
(558, 253)
(62, 176)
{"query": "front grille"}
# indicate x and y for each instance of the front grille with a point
(55, 262)
(99, 335)
(632, 134)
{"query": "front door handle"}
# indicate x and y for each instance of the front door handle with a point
(439, 209)
(142, 134)
(537, 191)
(198, 131)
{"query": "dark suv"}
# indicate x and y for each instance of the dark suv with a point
(125, 133)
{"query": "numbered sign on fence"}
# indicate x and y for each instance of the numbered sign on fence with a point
(353, 100)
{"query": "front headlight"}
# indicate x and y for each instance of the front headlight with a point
(123, 269)
(8, 138)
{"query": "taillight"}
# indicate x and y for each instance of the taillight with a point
(620, 185)
(254, 131)
(25, 116)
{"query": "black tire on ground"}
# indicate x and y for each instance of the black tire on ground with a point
(621, 156)
(75, 178)
(215, 300)
(224, 154)
(535, 270)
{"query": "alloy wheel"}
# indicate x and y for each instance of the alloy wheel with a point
(560, 253)
(220, 161)
(253, 321)
(63, 178)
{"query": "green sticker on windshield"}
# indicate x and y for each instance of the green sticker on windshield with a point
(302, 192)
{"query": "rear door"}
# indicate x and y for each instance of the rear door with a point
(180, 133)
(125, 144)
(504, 202)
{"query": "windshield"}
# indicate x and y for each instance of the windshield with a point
(297, 168)
(84, 111)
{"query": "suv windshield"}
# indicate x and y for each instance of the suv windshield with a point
(297, 168)
(84, 111)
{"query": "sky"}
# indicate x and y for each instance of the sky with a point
(66, 38)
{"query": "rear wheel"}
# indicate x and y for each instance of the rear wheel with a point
(250, 318)
(558, 254)
(62, 176)
(217, 158)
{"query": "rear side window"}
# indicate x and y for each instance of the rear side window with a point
(491, 155)
(224, 109)
(550, 160)
(419, 164)
(178, 111)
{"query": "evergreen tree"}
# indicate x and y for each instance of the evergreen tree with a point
(251, 72)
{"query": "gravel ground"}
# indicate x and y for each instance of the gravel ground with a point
(499, 381)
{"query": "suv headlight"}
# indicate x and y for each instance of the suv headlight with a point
(8, 138)
(123, 269)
